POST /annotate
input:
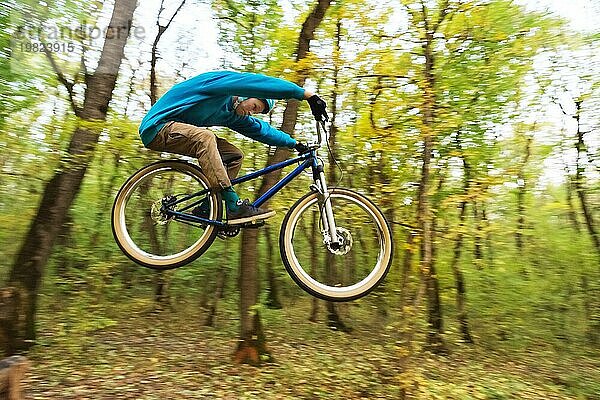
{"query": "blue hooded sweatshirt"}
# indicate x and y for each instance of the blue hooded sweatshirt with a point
(206, 100)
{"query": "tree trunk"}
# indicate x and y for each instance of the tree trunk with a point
(272, 284)
(212, 310)
(60, 191)
(407, 261)
(161, 298)
(488, 237)
(591, 309)
(589, 220)
(252, 348)
(11, 309)
(334, 321)
(522, 191)
(424, 214)
(579, 186)
(249, 349)
(314, 310)
(103, 212)
(461, 290)
(477, 245)
(424, 218)
(162, 280)
(572, 213)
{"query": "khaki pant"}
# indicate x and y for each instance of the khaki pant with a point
(220, 160)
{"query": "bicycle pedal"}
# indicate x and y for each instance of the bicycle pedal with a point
(254, 224)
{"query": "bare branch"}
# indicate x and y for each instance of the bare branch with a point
(443, 13)
(562, 109)
(62, 79)
(234, 21)
(161, 8)
(83, 67)
(411, 12)
(232, 6)
(176, 11)
(379, 76)
(424, 13)
(161, 30)
(383, 76)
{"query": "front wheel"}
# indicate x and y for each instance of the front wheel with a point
(344, 272)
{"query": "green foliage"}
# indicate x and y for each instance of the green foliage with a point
(248, 29)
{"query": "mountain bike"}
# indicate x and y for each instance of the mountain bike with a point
(334, 242)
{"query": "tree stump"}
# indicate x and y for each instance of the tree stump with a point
(12, 370)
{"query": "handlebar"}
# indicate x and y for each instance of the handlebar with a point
(316, 145)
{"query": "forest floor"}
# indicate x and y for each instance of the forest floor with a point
(128, 352)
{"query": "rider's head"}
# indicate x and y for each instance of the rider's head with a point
(251, 105)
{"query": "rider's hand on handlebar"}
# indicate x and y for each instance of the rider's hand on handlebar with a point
(301, 148)
(318, 108)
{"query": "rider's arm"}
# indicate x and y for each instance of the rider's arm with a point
(261, 131)
(249, 85)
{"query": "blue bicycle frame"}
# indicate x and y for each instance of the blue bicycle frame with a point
(307, 160)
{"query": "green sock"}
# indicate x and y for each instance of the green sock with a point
(231, 198)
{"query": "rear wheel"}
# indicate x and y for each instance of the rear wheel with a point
(336, 273)
(146, 233)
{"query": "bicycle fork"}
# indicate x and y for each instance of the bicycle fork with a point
(330, 236)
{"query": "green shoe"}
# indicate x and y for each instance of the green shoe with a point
(246, 212)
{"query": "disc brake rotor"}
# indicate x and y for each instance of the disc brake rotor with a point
(344, 242)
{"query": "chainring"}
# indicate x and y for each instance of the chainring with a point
(229, 231)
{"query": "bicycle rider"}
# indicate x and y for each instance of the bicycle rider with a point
(177, 123)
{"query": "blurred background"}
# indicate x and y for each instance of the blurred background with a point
(473, 124)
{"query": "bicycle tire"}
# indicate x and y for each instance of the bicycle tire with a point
(337, 291)
(132, 247)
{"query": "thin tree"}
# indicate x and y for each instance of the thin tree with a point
(334, 319)
(461, 291)
(521, 193)
(273, 297)
(430, 25)
(154, 54)
(252, 341)
(161, 282)
(578, 182)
